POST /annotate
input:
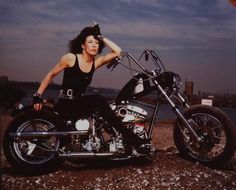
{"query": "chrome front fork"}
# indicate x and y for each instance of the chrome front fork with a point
(178, 113)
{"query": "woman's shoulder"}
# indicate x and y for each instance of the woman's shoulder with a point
(68, 59)
(69, 56)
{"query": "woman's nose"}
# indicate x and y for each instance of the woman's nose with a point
(94, 44)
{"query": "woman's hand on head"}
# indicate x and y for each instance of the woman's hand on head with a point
(97, 30)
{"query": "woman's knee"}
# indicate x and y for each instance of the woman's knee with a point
(100, 101)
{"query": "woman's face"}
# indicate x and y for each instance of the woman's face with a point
(91, 45)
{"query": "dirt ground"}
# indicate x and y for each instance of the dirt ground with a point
(166, 171)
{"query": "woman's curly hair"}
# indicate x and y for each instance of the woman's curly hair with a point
(75, 45)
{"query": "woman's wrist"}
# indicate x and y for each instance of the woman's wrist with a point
(37, 94)
(100, 37)
(37, 98)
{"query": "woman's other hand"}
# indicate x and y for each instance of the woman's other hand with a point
(37, 101)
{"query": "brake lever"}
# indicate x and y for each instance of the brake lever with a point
(156, 58)
(113, 63)
(110, 65)
(114, 66)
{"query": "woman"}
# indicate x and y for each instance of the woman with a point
(79, 66)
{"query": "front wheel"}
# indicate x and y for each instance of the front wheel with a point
(32, 154)
(216, 130)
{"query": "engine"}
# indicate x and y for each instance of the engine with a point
(133, 116)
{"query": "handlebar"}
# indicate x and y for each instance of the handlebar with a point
(147, 53)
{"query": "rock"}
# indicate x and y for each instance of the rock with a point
(145, 183)
(38, 181)
(139, 171)
(170, 149)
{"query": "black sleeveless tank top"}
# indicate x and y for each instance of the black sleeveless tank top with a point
(77, 80)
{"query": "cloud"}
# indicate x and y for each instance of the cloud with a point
(166, 25)
(34, 29)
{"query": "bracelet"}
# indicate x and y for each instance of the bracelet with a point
(37, 95)
(37, 98)
(100, 37)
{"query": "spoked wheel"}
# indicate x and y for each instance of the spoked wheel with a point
(216, 130)
(36, 150)
(31, 153)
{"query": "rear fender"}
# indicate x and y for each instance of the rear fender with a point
(28, 112)
(27, 109)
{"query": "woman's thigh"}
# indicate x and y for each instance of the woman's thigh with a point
(83, 107)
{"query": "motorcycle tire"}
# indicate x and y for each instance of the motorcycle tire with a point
(215, 127)
(19, 152)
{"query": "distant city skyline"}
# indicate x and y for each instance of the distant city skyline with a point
(194, 38)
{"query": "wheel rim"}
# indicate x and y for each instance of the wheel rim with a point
(36, 151)
(214, 140)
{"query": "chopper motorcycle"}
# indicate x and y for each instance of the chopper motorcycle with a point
(41, 140)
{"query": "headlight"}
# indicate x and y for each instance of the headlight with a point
(177, 83)
(169, 81)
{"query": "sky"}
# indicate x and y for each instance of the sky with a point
(194, 38)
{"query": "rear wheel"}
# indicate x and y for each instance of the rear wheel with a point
(32, 154)
(215, 128)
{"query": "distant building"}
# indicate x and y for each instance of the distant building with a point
(189, 88)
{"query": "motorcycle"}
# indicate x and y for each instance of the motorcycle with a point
(41, 140)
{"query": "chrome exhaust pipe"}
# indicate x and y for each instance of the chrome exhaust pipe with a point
(47, 134)
(85, 155)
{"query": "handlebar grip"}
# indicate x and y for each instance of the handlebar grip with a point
(113, 63)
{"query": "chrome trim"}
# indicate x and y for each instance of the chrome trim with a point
(45, 134)
(85, 155)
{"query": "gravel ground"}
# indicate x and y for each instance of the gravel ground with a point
(166, 171)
